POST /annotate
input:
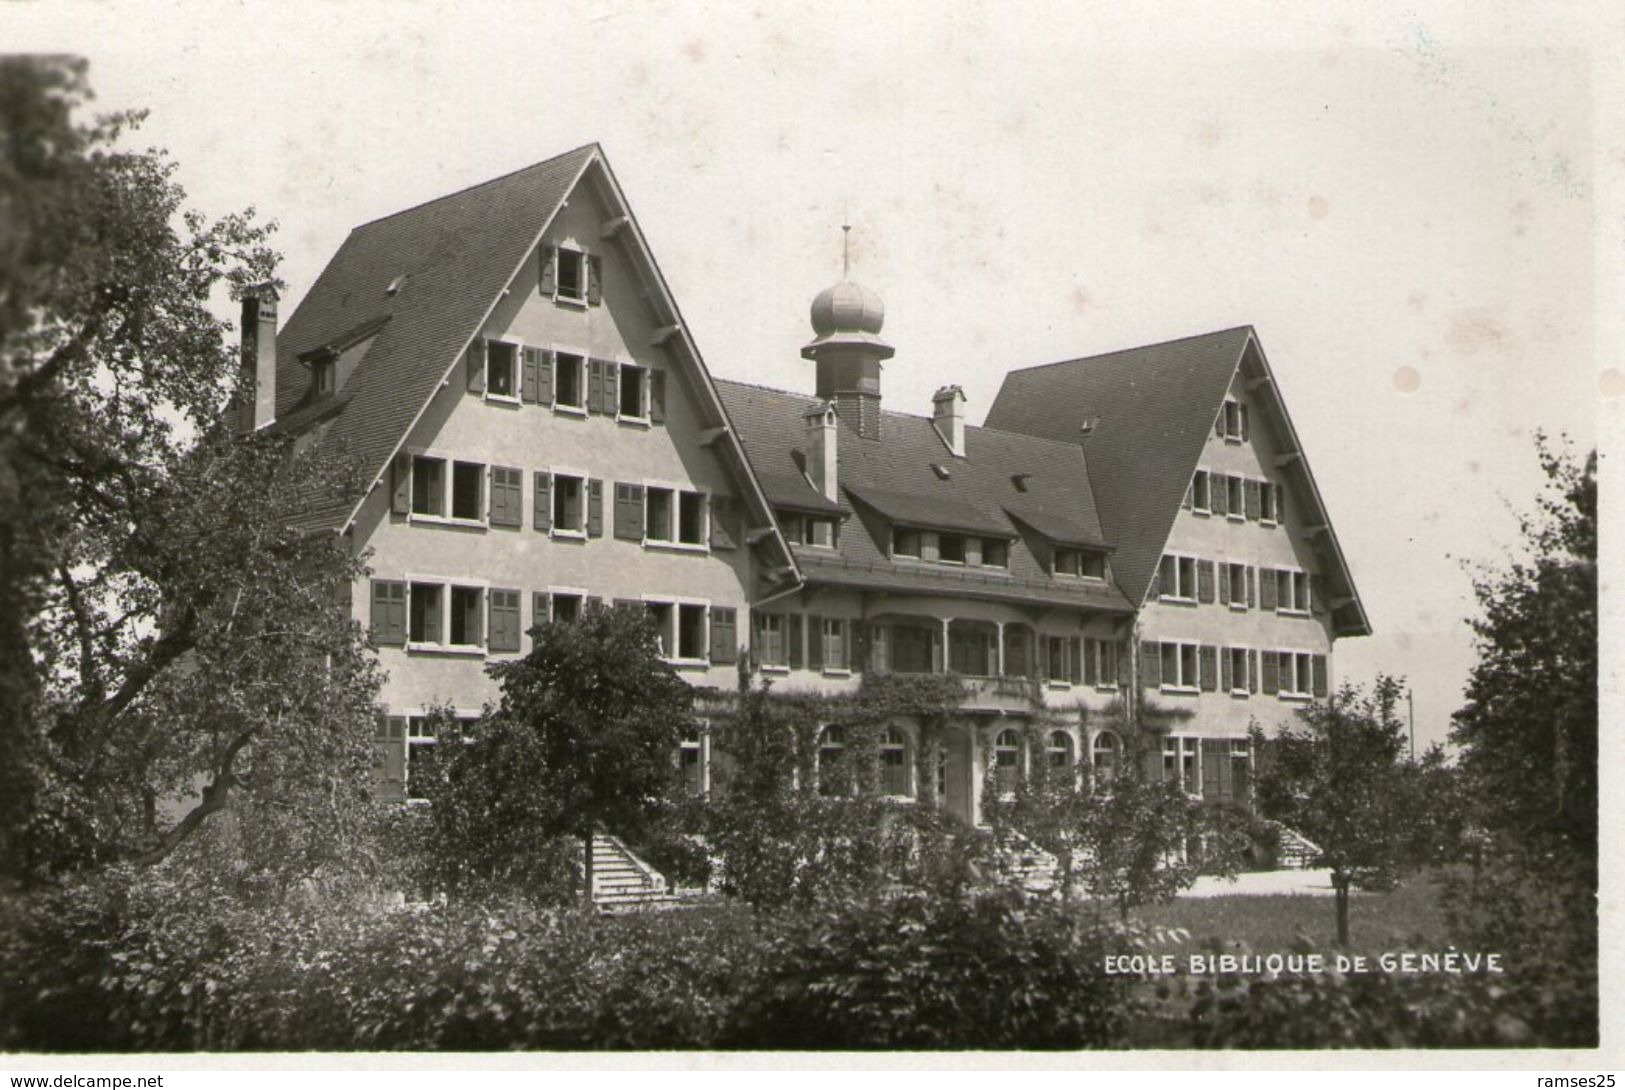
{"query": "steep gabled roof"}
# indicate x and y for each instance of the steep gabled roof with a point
(894, 478)
(1152, 409)
(422, 283)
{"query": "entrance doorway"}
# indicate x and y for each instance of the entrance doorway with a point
(954, 773)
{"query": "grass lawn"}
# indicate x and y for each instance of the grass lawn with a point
(1274, 923)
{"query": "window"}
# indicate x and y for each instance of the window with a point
(1237, 671)
(691, 763)
(905, 542)
(1177, 578)
(691, 518)
(1080, 562)
(894, 763)
(834, 777)
(1179, 666)
(466, 616)
(812, 530)
(769, 642)
(424, 614)
(1058, 650)
(322, 374)
(467, 481)
(421, 741)
(571, 276)
(1236, 584)
(565, 607)
(634, 392)
(1199, 499)
(1103, 756)
(428, 486)
(1058, 750)
(1007, 761)
(1179, 762)
(1292, 591)
(691, 632)
(657, 514)
(1269, 499)
(501, 369)
(951, 548)
(1232, 422)
(970, 649)
(569, 504)
(1296, 673)
(1100, 663)
(995, 552)
(569, 381)
(1235, 498)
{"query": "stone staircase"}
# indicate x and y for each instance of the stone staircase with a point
(1297, 851)
(1030, 866)
(620, 880)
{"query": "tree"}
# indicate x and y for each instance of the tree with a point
(163, 627)
(584, 739)
(1337, 776)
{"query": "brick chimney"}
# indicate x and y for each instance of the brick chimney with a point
(822, 460)
(948, 417)
(258, 388)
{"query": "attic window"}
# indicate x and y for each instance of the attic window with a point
(322, 376)
(572, 275)
(941, 471)
(1020, 481)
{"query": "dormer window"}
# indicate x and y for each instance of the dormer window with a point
(324, 376)
(995, 552)
(951, 548)
(905, 542)
(810, 530)
(1232, 423)
(1080, 563)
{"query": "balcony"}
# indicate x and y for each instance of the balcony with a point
(1001, 694)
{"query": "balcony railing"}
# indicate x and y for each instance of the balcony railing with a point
(1001, 693)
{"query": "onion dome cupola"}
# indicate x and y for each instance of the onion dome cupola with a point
(847, 348)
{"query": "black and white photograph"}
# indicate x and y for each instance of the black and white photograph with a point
(704, 531)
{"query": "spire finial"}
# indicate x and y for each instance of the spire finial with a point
(846, 251)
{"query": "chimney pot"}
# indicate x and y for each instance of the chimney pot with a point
(822, 459)
(258, 391)
(948, 417)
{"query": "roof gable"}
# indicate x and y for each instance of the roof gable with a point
(1150, 411)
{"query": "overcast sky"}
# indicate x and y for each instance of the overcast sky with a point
(1403, 202)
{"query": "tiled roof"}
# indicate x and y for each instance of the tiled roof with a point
(1153, 409)
(449, 259)
(893, 479)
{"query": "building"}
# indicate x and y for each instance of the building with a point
(539, 431)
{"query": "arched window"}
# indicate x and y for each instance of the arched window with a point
(1007, 760)
(894, 763)
(1059, 749)
(834, 777)
(1106, 752)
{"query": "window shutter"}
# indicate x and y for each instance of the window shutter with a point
(539, 610)
(1252, 671)
(1317, 593)
(1074, 659)
(388, 613)
(1318, 669)
(1280, 506)
(1213, 758)
(1150, 664)
(724, 634)
(1224, 584)
(1246, 428)
(879, 648)
(400, 498)
(1154, 591)
(795, 622)
(1218, 425)
(544, 376)
(476, 366)
(595, 279)
(629, 512)
(595, 508)
(1227, 679)
(1190, 494)
(1271, 671)
(1113, 655)
(1091, 673)
(507, 499)
(1041, 653)
(612, 388)
(1218, 499)
(389, 758)
(527, 380)
(433, 630)
(1268, 589)
(837, 655)
(1208, 666)
(542, 503)
(1204, 581)
(860, 637)
(547, 271)
(722, 522)
(815, 642)
(1252, 598)
(595, 386)
(504, 620)
(657, 397)
(1251, 498)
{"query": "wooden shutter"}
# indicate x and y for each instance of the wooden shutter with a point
(657, 397)
(1252, 598)
(724, 634)
(504, 620)
(1252, 671)
(861, 639)
(400, 492)
(1207, 659)
(1213, 756)
(1268, 589)
(1271, 669)
(544, 376)
(836, 656)
(433, 629)
(507, 496)
(879, 637)
(1227, 679)
(476, 366)
(815, 642)
(1250, 496)
(1113, 655)
(1223, 575)
(1091, 673)
(542, 500)
(527, 382)
(795, 622)
(629, 512)
(1150, 664)
(547, 272)
(1218, 425)
(1074, 659)
(612, 388)
(539, 610)
(1246, 428)
(595, 280)
(595, 508)
(723, 510)
(1280, 505)
(1218, 494)
(595, 386)
(1204, 581)
(1190, 494)
(389, 758)
(1318, 670)
(1317, 594)
(388, 613)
